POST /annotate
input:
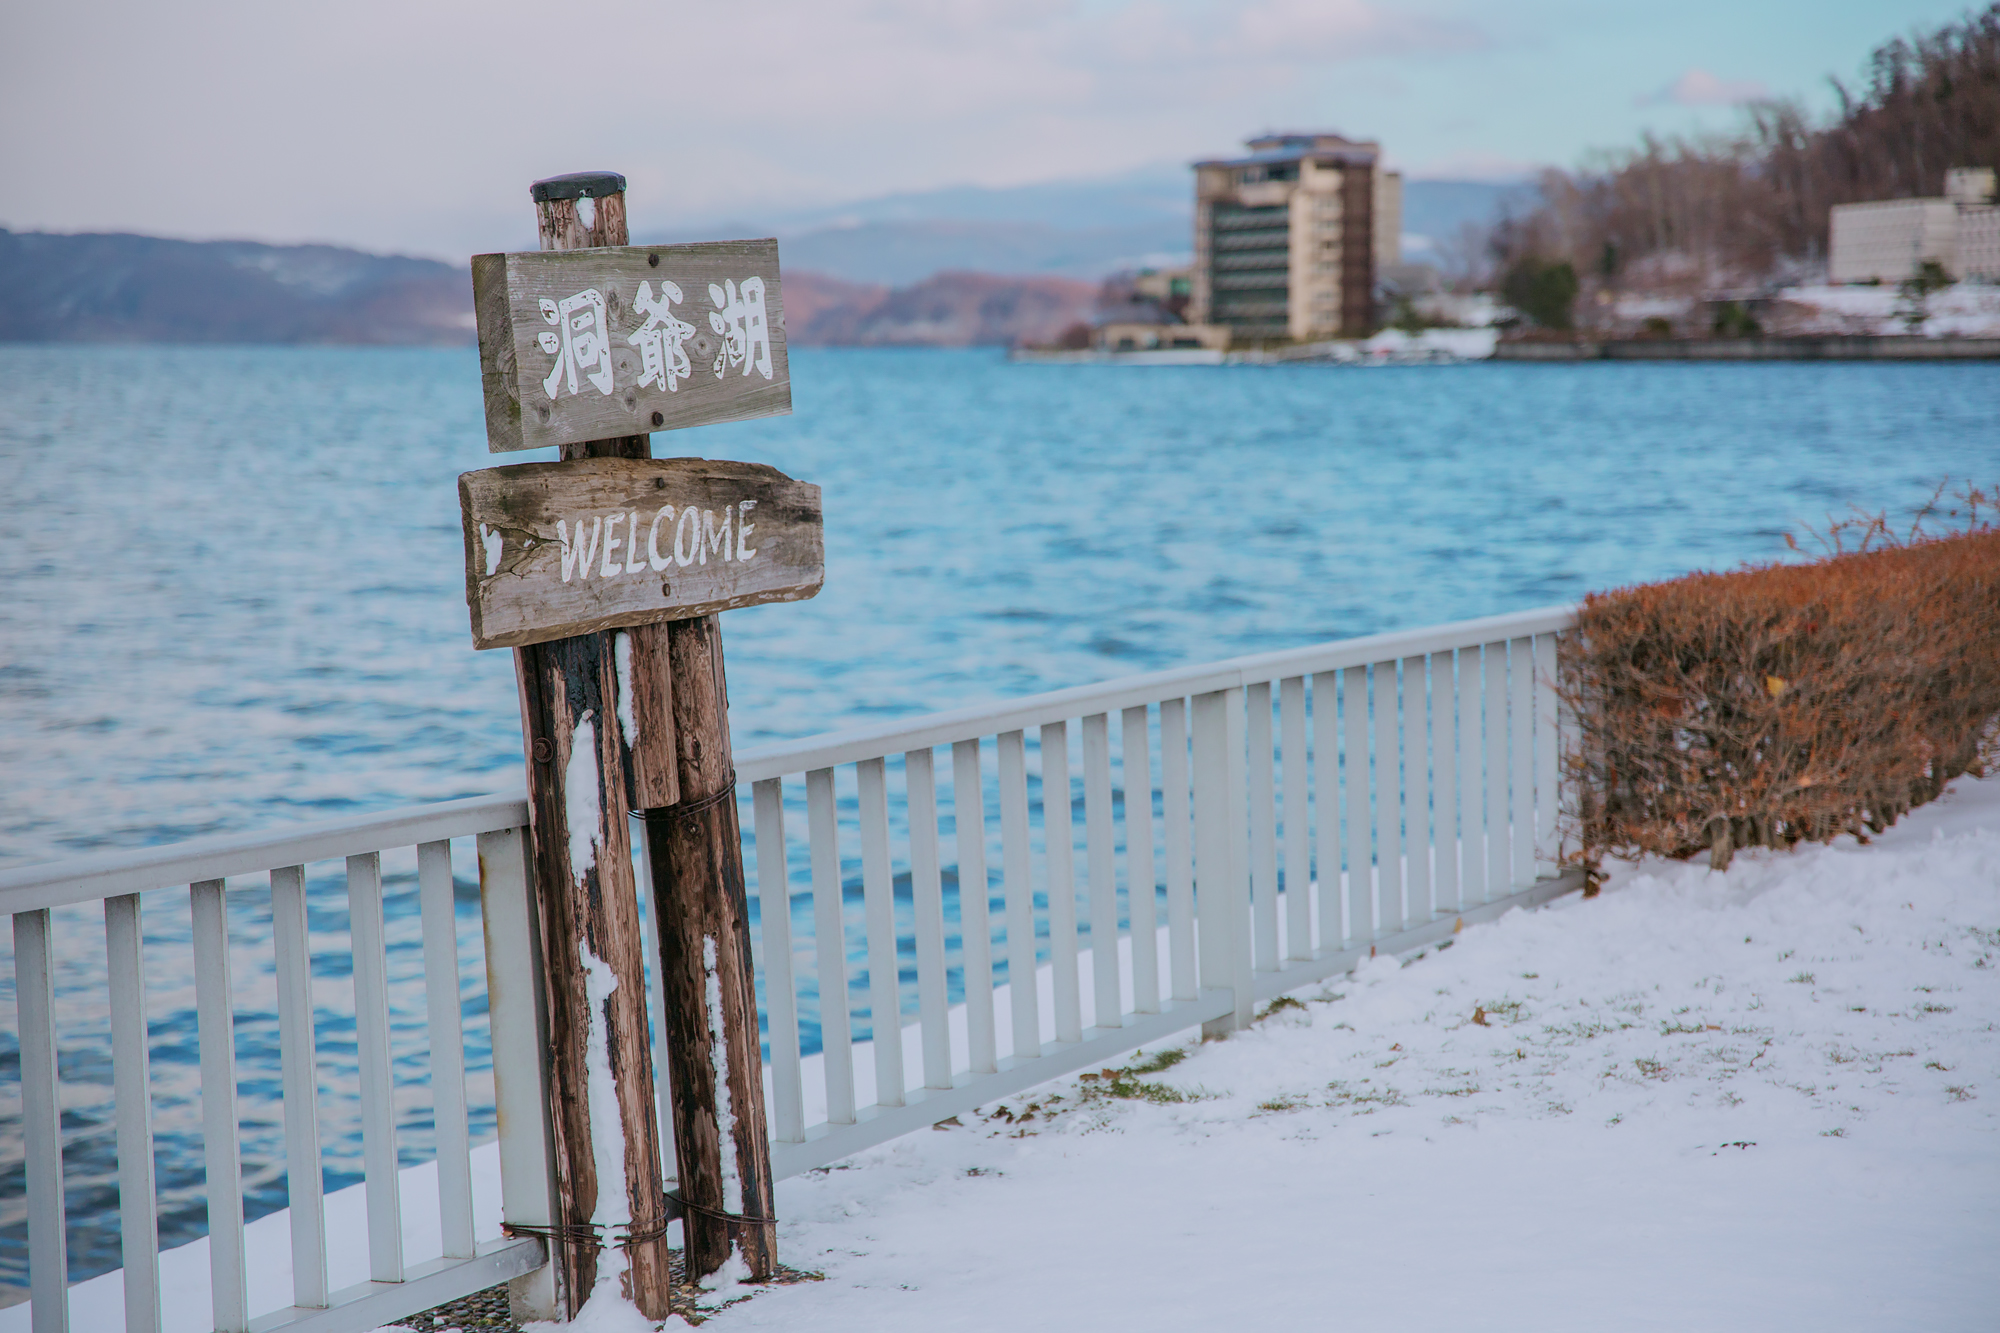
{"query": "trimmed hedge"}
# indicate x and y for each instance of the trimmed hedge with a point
(1784, 702)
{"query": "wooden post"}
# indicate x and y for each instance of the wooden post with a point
(713, 1051)
(592, 756)
(624, 708)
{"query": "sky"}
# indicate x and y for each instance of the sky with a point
(415, 126)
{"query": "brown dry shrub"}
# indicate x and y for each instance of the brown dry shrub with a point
(1784, 702)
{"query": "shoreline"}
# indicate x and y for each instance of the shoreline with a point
(1821, 347)
(1422, 350)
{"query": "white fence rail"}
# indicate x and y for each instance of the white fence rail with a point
(201, 867)
(1245, 828)
(1276, 819)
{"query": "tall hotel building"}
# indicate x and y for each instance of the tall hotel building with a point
(1287, 239)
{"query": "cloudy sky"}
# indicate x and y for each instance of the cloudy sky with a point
(415, 125)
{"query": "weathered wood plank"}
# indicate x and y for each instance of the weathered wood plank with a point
(555, 550)
(593, 965)
(619, 340)
(720, 1137)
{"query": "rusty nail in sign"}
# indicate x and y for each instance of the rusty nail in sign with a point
(544, 752)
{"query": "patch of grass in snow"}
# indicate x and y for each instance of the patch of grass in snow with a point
(1833, 1133)
(1287, 1102)
(1507, 1011)
(1933, 1008)
(1130, 1084)
(1279, 1005)
(1803, 979)
(1941, 1068)
(1158, 1062)
(1469, 1090)
(1583, 1031)
(1959, 1094)
(1159, 1094)
(1346, 1094)
(1676, 1029)
(1653, 1069)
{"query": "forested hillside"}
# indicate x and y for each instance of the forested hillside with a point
(1752, 205)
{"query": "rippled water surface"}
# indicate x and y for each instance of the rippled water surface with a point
(234, 598)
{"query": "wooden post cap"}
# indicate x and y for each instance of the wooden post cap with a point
(577, 185)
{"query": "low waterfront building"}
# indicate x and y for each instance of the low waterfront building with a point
(1288, 238)
(1890, 240)
(1147, 311)
(1144, 336)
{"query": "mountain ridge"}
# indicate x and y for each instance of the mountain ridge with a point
(124, 287)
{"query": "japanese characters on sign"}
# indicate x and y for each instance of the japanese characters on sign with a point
(559, 549)
(590, 344)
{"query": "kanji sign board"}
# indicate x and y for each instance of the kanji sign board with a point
(554, 550)
(622, 340)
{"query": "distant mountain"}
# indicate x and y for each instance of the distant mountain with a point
(119, 288)
(122, 288)
(900, 253)
(1159, 193)
(944, 310)
(952, 267)
(1080, 229)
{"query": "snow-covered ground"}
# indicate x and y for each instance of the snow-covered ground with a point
(1767, 1099)
(1757, 1100)
(1466, 344)
(1964, 310)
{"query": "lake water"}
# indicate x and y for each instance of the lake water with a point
(234, 598)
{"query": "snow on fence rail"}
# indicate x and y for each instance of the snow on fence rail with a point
(1281, 816)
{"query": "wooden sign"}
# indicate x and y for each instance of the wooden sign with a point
(554, 550)
(622, 340)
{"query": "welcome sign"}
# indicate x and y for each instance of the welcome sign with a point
(554, 550)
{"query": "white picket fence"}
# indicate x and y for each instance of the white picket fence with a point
(1279, 816)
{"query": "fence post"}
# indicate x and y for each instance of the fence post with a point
(1221, 853)
(41, 1123)
(518, 1014)
(1237, 888)
(1549, 731)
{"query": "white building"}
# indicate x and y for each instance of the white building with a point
(1889, 240)
(1288, 239)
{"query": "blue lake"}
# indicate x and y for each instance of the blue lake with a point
(234, 598)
